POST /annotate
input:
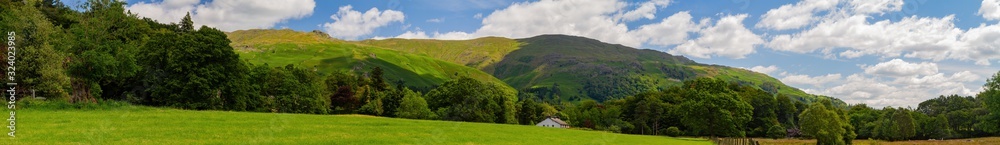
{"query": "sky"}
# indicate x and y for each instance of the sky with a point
(878, 52)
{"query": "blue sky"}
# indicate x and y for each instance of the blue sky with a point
(878, 52)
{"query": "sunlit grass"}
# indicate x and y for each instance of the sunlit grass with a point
(144, 125)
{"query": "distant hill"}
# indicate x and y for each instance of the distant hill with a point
(571, 68)
(477, 53)
(317, 51)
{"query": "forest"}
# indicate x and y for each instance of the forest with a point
(107, 54)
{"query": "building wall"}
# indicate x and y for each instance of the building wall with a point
(548, 123)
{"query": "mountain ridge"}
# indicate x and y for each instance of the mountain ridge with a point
(553, 67)
(549, 60)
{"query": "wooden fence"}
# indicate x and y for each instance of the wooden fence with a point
(734, 141)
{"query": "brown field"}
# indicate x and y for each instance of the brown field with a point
(968, 141)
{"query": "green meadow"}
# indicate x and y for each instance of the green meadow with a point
(148, 125)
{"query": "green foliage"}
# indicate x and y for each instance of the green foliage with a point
(343, 97)
(590, 114)
(466, 99)
(293, 90)
(895, 124)
(103, 59)
(823, 124)
(39, 64)
(991, 101)
(414, 106)
(649, 113)
(188, 70)
(937, 128)
(786, 110)
(776, 132)
(529, 112)
(674, 131)
(713, 109)
(863, 118)
(764, 111)
(186, 24)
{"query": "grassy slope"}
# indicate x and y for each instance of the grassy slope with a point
(144, 125)
(477, 53)
(313, 50)
(567, 60)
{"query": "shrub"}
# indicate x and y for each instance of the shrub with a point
(413, 106)
(674, 132)
(776, 132)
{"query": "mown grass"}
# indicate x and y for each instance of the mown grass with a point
(969, 141)
(147, 125)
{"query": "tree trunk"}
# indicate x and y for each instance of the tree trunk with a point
(81, 91)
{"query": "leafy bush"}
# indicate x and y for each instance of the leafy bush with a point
(467, 99)
(413, 106)
(673, 131)
(776, 132)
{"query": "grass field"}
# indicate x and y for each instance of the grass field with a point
(970, 141)
(145, 125)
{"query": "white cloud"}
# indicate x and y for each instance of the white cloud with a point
(847, 32)
(900, 68)
(670, 31)
(990, 9)
(892, 91)
(791, 16)
(764, 69)
(646, 10)
(816, 81)
(441, 36)
(875, 6)
(885, 38)
(604, 20)
(588, 18)
(726, 38)
(435, 20)
(478, 16)
(981, 44)
(349, 24)
(226, 15)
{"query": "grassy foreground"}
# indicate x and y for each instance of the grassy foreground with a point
(145, 125)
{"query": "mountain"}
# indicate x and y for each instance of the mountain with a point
(563, 67)
(321, 53)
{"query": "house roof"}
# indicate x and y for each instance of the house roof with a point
(557, 120)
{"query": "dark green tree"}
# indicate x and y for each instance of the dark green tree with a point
(467, 99)
(823, 124)
(991, 100)
(186, 24)
(713, 109)
(414, 106)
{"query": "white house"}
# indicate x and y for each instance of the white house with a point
(552, 122)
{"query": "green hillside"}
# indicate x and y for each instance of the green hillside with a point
(145, 125)
(315, 51)
(477, 53)
(582, 68)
